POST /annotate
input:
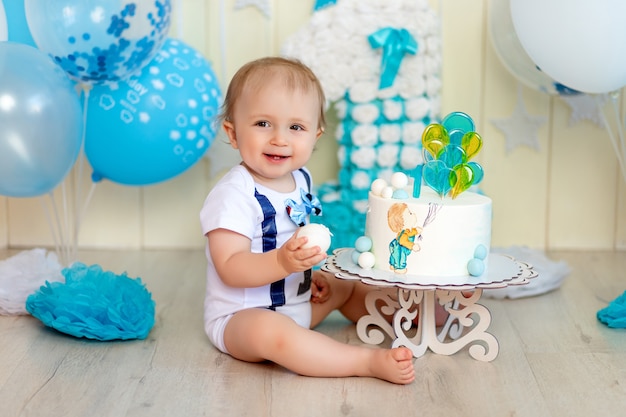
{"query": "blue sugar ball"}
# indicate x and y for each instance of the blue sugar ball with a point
(400, 194)
(355, 256)
(475, 267)
(480, 252)
(363, 244)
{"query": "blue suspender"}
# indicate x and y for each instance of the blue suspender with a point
(268, 226)
(277, 289)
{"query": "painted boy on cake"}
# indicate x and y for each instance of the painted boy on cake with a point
(403, 222)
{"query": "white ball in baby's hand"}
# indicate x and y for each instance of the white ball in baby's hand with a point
(317, 235)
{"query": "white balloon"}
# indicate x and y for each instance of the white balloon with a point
(512, 54)
(579, 43)
(4, 31)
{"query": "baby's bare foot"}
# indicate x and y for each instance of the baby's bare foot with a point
(393, 365)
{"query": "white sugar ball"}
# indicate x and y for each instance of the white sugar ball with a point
(317, 235)
(366, 260)
(399, 180)
(387, 192)
(378, 186)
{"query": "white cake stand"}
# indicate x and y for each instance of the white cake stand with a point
(406, 311)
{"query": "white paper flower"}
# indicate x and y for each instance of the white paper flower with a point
(361, 180)
(363, 92)
(363, 158)
(410, 157)
(390, 133)
(360, 205)
(412, 132)
(342, 154)
(341, 107)
(417, 108)
(388, 155)
(365, 113)
(392, 109)
(339, 131)
(364, 135)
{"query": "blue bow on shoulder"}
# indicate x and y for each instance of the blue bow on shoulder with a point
(299, 211)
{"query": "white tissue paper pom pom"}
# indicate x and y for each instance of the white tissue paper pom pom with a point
(360, 205)
(363, 158)
(23, 274)
(363, 92)
(399, 180)
(433, 85)
(377, 187)
(389, 92)
(410, 157)
(317, 235)
(392, 109)
(417, 108)
(388, 155)
(341, 107)
(412, 132)
(342, 155)
(364, 135)
(360, 180)
(365, 113)
(390, 133)
(339, 132)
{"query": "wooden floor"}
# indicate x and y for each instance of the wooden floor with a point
(555, 359)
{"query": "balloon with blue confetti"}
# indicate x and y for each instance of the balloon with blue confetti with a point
(99, 41)
(156, 124)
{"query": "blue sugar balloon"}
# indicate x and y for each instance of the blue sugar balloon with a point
(400, 194)
(355, 256)
(363, 244)
(480, 252)
(475, 267)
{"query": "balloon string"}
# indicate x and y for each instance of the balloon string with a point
(223, 41)
(78, 179)
(53, 230)
(179, 18)
(619, 143)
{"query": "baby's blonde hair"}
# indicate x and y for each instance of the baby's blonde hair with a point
(394, 216)
(254, 75)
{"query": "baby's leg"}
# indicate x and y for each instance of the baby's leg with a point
(257, 334)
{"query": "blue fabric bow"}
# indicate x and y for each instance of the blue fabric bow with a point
(395, 43)
(299, 211)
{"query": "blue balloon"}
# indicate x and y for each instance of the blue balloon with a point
(99, 41)
(15, 23)
(154, 125)
(4, 31)
(41, 122)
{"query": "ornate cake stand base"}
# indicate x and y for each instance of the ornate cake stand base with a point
(413, 322)
(405, 309)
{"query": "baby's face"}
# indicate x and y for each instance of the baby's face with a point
(409, 218)
(275, 130)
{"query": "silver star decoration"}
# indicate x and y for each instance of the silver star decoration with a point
(262, 5)
(586, 107)
(520, 129)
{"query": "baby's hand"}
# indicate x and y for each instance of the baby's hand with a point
(294, 258)
(320, 288)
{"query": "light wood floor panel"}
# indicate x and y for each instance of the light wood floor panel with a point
(555, 359)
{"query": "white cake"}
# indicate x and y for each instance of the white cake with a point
(427, 236)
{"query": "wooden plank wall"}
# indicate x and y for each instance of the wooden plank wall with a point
(567, 195)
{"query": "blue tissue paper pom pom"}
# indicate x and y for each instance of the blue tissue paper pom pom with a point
(94, 304)
(614, 315)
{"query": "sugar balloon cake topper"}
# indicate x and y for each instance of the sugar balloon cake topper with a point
(448, 149)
